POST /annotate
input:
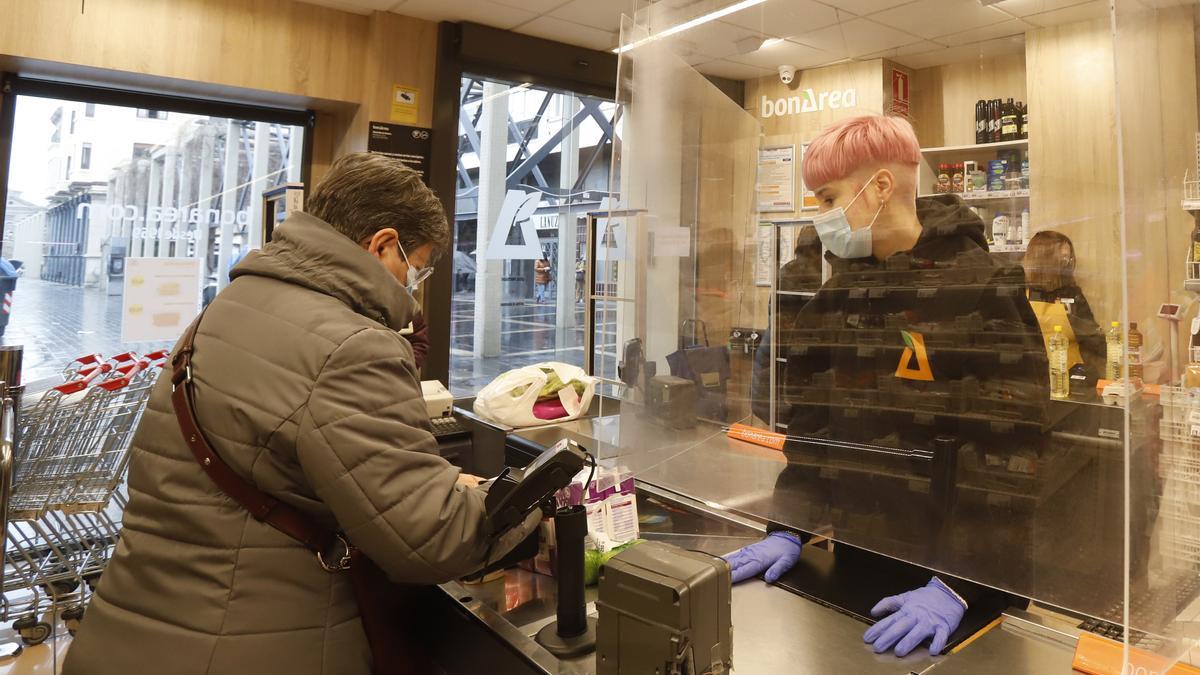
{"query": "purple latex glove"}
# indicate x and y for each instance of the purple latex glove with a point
(776, 554)
(932, 611)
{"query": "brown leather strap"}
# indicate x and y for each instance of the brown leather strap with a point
(263, 507)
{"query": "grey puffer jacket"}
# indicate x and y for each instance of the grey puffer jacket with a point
(304, 387)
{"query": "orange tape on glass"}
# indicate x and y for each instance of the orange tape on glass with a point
(767, 439)
(1101, 656)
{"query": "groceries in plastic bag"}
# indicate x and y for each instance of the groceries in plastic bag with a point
(537, 394)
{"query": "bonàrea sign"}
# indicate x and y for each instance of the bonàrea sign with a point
(808, 101)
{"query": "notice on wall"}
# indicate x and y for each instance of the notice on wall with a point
(411, 145)
(787, 243)
(765, 258)
(777, 179)
(162, 296)
(807, 196)
(900, 101)
(404, 104)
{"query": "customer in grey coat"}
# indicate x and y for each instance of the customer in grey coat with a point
(304, 387)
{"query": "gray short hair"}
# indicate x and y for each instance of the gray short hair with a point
(364, 193)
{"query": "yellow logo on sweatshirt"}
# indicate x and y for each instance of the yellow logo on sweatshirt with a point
(915, 350)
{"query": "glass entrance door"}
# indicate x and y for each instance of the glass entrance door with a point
(532, 164)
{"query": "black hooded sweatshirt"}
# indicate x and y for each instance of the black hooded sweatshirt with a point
(854, 366)
(856, 375)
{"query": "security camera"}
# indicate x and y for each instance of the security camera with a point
(787, 74)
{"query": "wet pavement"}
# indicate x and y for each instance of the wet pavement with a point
(528, 335)
(57, 323)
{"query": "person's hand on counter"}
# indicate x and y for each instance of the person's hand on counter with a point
(774, 555)
(931, 611)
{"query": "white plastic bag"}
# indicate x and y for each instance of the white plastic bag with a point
(496, 402)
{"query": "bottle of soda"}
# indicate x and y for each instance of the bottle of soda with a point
(1060, 382)
(1115, 353)
(1024, 114)
(1135, 353)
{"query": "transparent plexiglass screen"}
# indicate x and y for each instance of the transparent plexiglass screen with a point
(1007, 394)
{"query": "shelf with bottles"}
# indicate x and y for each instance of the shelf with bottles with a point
(990, 195)
(975, 148)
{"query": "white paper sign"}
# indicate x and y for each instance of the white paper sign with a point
(162, 296)
(672, 242)
(777, 179)
(765, 260)
(787, 243)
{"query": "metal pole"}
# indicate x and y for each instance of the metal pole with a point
(262, 156)
(228, 201)
(170, 168)
(208, 146)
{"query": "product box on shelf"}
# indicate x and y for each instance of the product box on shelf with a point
(612, 516)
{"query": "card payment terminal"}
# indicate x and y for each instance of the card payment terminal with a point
(515, 493)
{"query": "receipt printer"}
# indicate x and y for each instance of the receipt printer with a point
(438, 400)
(664, 610)
(672, 400)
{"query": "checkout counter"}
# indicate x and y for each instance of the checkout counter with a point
(689, 496)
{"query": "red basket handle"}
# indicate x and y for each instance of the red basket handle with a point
(85, 377)
(127, 375)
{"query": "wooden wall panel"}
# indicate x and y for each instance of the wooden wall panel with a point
(1077, 181)
(399, 50)
(273, 52)
(866, 77)
(1073, 154)
(945, 96)
(1156, 69)
(273, 45)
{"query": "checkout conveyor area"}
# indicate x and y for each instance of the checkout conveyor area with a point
(777, 628)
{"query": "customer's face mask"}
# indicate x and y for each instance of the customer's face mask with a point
(842, 240)
(415, 275)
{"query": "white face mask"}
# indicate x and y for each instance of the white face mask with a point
(415, 276)
(836, 234)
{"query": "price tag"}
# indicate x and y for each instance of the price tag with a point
(1194, 417)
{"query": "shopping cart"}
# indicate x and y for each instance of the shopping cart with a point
(63, 511)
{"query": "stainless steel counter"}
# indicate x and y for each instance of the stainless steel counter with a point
(775, 631)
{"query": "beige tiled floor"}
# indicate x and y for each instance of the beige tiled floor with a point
(39, 660)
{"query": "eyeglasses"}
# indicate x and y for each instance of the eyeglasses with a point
(421, 274)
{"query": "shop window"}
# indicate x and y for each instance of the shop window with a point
(143, 197)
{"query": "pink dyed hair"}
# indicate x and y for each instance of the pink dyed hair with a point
(845, 146)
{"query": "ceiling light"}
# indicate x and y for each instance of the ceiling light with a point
(686, 25)
(772, 42)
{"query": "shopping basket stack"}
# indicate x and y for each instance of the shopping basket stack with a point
(64, 510)
(1179, 466)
